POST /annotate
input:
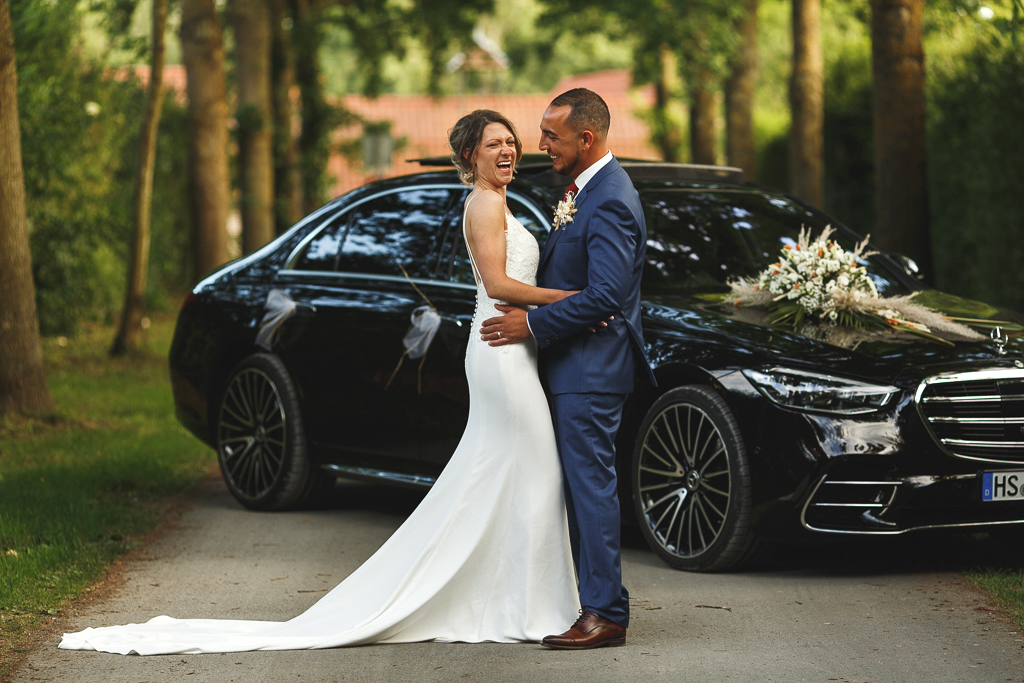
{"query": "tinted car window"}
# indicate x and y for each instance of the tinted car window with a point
(400, 228)
(322, 251)
(460, 270)
(698, 240)
(396, 229)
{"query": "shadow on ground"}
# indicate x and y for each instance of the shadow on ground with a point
(924, 551)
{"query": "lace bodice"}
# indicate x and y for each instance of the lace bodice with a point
(522, 253)
(522, 257)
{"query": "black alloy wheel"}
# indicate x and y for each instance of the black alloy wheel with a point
(261, 445)
(691, 483)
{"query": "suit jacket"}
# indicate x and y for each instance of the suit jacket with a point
(600, 253)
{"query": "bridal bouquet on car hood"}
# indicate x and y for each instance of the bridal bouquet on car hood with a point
(820, 283)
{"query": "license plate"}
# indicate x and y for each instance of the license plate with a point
(1006, 485)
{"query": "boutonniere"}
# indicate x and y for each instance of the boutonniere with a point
(566, 208)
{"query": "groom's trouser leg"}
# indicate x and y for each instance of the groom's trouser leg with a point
(586, 425)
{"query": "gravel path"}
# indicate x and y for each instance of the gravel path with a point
(873, 613)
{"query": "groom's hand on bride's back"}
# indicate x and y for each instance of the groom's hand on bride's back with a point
(510, 328)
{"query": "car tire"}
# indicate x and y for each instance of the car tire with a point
(261, 443)
(691, 482)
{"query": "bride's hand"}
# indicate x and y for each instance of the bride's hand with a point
(601, 324)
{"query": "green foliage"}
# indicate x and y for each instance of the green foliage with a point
(116, 18)
(701, 33)
(171, 268)
(374, 31)
(80, 489)
(849, 142)
(376, 53)
(319, 117)
(849, 145)
(544, 47)
(1005, 585)
(976, 142)
(79, 128)
(441, 25)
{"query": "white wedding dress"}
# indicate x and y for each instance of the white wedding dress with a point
(485, 556)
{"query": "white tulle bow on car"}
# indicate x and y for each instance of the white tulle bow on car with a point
(279, 308)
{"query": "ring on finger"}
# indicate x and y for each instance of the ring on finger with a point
(499, 335)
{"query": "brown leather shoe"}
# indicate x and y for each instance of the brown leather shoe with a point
(590, 630)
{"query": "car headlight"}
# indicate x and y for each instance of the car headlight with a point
(819, 393)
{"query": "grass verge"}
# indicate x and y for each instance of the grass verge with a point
(1005, 587)
(82, 486)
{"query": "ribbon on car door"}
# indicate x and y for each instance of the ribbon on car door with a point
(279, 308)
(425, 323)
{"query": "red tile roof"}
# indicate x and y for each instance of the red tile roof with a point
(425, 122)
(174, 79)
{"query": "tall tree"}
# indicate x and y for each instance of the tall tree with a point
(127, 337)
(317, 115)
(664, 130)
(202, 50)
(287, 175)
(701, 37)
(251, 22)
(703, 115)
(901, 188)
(807, 105)
(739, 95)
(22, 375)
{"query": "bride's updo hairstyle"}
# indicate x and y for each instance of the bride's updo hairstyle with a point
(464, 138)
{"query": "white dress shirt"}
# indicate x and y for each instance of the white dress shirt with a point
(583, 178)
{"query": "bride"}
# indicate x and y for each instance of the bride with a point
(486, 555)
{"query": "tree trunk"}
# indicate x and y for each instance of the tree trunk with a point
(314, 151)
(806, 98)
(739, 97)
(251, 22)
(202, 50)
(127, 337)
(702, 119)
(287, 175)
(666, 134)
(22, 375)
(901, 191)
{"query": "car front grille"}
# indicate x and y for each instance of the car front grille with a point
(976, 415)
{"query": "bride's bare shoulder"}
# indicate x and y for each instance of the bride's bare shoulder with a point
(485, 206)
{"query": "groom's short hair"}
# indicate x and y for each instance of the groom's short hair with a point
(586, 110)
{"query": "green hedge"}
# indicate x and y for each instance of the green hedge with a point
(79, 125)
(976, 147)
(975, 151)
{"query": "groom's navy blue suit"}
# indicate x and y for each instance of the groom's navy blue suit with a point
(589, 375)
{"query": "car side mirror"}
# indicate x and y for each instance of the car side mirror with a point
(909, 265)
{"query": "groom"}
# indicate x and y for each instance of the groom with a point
(599, 250)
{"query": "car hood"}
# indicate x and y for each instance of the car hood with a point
(898, 358)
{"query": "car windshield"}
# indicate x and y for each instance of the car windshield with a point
(698, 240)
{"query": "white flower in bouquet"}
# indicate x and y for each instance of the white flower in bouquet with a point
(827, 283)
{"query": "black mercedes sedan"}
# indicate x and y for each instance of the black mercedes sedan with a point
(291, 364)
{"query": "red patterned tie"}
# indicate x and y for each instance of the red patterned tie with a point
(571, 189)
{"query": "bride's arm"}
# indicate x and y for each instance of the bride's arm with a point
(485, 230)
